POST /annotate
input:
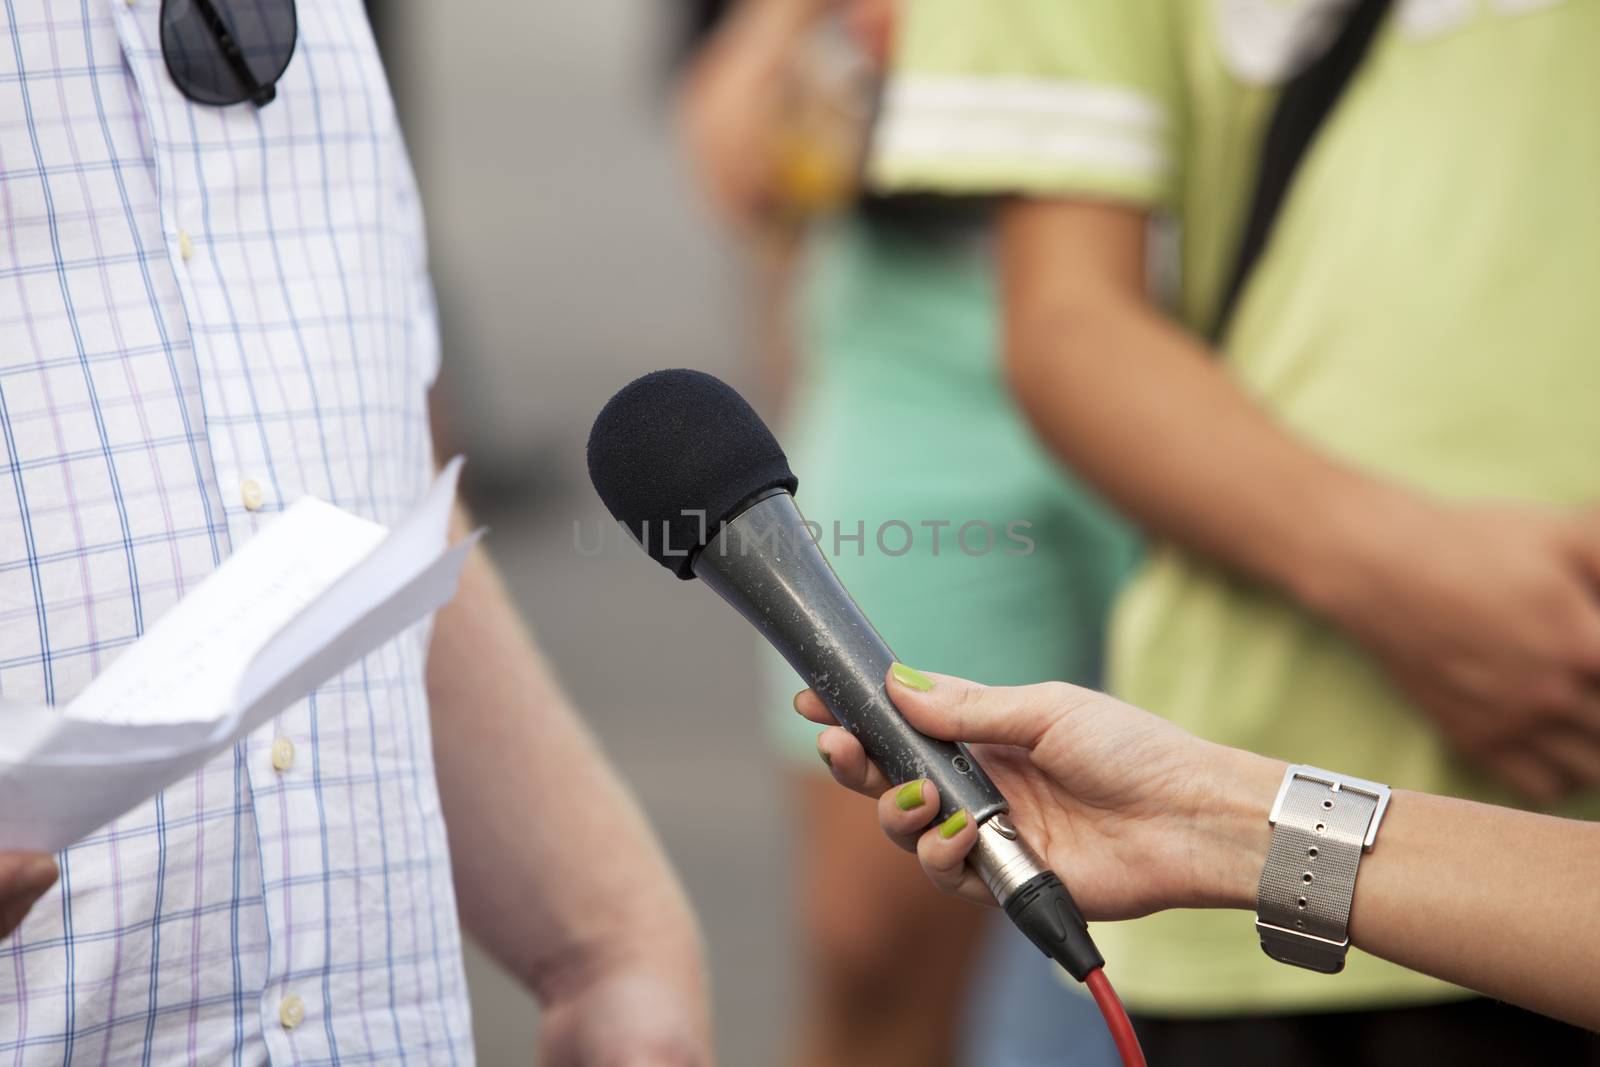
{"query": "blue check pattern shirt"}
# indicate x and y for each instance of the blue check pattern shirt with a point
(206, 313)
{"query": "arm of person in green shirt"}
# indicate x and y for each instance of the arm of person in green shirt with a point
(1487, 615)
(1138, 816)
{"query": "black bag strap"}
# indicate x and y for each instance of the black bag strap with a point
(1305, 104)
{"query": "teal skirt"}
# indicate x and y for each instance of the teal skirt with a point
(971, 550)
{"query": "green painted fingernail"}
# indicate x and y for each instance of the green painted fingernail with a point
(910, 677)
(953, 825)
(909, 798)
(827, 759)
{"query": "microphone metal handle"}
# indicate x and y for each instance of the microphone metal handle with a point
(766, 564)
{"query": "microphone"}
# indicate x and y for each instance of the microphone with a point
(689, 469)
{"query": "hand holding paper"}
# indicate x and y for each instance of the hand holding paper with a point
(315, 590)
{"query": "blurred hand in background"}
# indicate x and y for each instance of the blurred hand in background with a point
(1489, 617)
(728, 103)
(774, 113)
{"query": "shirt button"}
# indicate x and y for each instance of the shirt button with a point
(291, 1011)
(250, 493)
(185, 246)
(282, 754)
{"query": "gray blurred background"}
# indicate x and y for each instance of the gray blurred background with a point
(569, 256)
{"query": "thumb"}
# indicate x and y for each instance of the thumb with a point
(955, 709)
(24, 878)
(26, 874)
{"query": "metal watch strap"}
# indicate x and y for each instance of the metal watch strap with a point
(1322, 823)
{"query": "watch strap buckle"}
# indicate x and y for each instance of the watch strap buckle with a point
(1301, 772)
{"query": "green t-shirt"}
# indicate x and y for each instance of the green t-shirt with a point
(1426, 308)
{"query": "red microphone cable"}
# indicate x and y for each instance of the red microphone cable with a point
(1117, 1020)
(1045, 912)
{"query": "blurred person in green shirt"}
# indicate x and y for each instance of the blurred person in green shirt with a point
(902, 432)
(1375, 497)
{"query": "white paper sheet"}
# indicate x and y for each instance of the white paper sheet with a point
(315, 590)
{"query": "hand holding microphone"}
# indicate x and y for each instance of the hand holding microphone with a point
(1122, 799)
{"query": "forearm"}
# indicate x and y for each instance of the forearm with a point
(1497, 900)
(557, 872)
(1144, 410)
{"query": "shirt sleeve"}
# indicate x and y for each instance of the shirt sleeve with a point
(1049, 97)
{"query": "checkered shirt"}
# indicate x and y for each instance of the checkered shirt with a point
(206, 313)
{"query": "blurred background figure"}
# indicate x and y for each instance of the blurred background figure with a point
(880, 333)
(1369, 456)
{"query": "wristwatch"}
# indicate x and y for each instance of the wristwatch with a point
(1322, 824)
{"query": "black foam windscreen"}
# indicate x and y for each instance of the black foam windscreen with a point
(674, 454)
